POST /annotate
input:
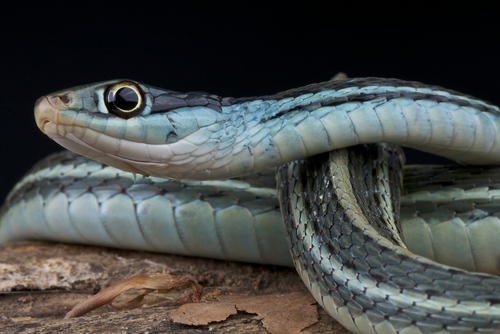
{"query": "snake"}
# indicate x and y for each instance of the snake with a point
(203, 175)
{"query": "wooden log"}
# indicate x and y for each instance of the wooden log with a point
(40, 282)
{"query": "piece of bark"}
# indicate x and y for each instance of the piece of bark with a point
(40, 282)
(288, 313)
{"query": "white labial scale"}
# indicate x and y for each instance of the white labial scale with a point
(85, 215)
(115, 127)
(133, 151)
(69, 143)
(66, 117)
(135, 130)
(99, 125)
(60, 130)
(119, 220)
(108, 144)
(75, 131)
(88, 136)
(84, 120)
(237, 236)
(197, 230)
(156, 217)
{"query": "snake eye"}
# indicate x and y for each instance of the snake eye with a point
(124, 99)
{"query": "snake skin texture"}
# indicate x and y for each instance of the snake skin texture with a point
(341, 209)
(356, 268)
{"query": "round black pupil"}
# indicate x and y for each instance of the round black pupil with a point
(126, 99)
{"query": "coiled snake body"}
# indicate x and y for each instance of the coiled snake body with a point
(340, 202)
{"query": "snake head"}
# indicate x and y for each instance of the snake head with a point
(135, 127)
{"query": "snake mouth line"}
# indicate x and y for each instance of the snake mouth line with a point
(75, 144)
(42, 125)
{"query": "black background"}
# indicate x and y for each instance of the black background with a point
(232, 49)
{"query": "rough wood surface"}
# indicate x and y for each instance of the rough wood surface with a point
(40, 282)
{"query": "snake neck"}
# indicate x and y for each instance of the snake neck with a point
(271, 130)
(209, 137)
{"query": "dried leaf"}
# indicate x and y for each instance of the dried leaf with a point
(147, 283)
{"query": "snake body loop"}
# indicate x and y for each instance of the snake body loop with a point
(356, 268)
(341, 209)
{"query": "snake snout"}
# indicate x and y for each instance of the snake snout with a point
(45, 112)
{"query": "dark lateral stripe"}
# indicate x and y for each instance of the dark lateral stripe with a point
(173, 100)
(169, 101)
(456, 98)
